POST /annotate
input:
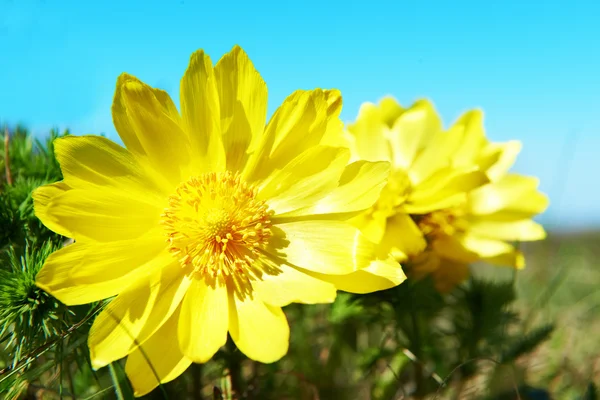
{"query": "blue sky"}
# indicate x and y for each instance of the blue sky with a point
(532, 66)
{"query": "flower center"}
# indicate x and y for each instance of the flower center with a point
(215, 225)
(441, 223)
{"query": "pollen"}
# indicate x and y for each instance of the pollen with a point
(216, 226)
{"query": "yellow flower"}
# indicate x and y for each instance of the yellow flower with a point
(423, 179)
(493, 215)
(449, 201)
(209, 221)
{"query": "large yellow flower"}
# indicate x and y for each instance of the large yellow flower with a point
(450, 200)
(209, 221)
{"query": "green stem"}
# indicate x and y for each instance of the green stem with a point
(115, 380)
(71, 383)
(59, 354)
(197, 381)
(235, 370)
(416, 344)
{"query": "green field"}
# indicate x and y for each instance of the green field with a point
(561, 284)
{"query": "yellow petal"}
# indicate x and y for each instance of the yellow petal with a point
(453, 248)
(411, 131)
(200, 110)
(292, 285)
(522, 230)
(445, 189)
(379, 275)
(96, 161)
(314, 115)
(121, 121)
(435, 156)
(402, 235)
(448, 182)
(511, 258)
(485, 247)
(369, 134)
(426, 206)
(390, 110)
(432, 186)
(512, 194)
(135, 314)
(470, 136)
(158, 360)
(259, 330)
(359, 188)
(372, 225)
(204, 320)
(243, 102)
(100, 215)
(461, 147)
(329, 247)
(299, 124)
(42, 197)
(149, 128)
(497, 158)
(334, 132)
(334, 101)
(307, 178)
(167, 104)
(86, 272)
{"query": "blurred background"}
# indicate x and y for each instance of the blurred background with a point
(532, 66)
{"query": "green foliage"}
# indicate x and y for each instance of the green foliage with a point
(29, 157)
(526, 343)
(483, 311)
(31, 164)
(28, 315)
(24, 308)
(37, 332)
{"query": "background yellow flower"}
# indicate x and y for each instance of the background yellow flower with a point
(450, 200)
(423, 178)
(494, 215)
